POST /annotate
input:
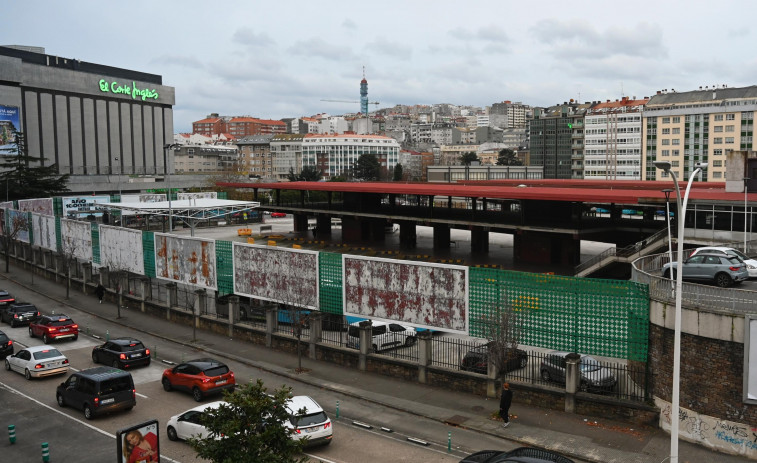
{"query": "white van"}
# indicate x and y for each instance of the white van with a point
(384, 335)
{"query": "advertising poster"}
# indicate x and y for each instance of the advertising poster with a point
(139, 443)
(186, 260)
(10, 122)
(80, 207)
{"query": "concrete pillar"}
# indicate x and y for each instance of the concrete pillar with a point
(366, 344)
(201, 306)
(300, 223)
(424, 355)
(492, 373)
(316, 329)
(104, 276)
(173, 298)
(479, 240)
(441, 236)
(233, 310)
(271, 323)
(572, 381)
(87, 275)
(322, 226)
(408, 235)
(144, 284)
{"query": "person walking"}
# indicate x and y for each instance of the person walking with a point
(505, 400)
(100, 292)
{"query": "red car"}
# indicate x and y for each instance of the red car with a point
(54, 327)
(201, 377)
(278, 215)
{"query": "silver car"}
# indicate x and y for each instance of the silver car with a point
(722, 270)
(593, 375)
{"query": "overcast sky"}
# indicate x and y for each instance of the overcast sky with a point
(276, 59)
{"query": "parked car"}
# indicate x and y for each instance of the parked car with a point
(122, 353)
(37, 362)
(719, 269)
(200, 377)
(6, 345)
(519, 455)
(751, 264)
(477, 359)
(6, 299)
(276, 215)
(54, 328)
(594, 377)
(187, 424)
(312, 425)
(383, 334)
(97, 391)
(19, 313)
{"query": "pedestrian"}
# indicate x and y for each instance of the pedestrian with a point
(504, 404)
(100, 291)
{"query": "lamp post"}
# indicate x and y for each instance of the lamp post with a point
(667, 192)
(167, 171)
(681, 218)
(746, 180)
(118, 178)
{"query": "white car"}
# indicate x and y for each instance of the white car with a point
(384, 335)
(187, 424)
(37, 362)
(751, 264)
(312, 424)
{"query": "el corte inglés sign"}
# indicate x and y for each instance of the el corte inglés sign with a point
(126, 89)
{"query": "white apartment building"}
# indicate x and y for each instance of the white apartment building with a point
(286, 154)
(336, 154)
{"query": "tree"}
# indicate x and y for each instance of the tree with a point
(69, 250)
(12, 225)
(507, 157)
(307, 174)
(397, 177)
(22, 179)
(249, 428)
(504, 330)
(467, 158)
(366, 168)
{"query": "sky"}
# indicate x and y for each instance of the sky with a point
(277, 59)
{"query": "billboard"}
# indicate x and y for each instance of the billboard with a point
(19, 224)
(142, 198)
(43, 227)
(121, 249)
(139, 443)
(76, 239)
(10, 122)
(433, 296)
(288, 276)
(186, 260)
(750, 359)
(75, 207)
(202, 194)
(40, 205)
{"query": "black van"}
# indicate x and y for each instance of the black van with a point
(97, 391)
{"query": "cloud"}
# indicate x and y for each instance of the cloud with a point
(247, 37)
(349, 24)
(177, 60)
(316, 47)
(386, 47)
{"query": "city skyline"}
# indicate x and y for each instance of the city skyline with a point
(281, 61)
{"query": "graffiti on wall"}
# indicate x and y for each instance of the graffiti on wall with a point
(43, 230)
(185, 260)
(288, 276)
(39, 205)
(433, 296)
(121, 249)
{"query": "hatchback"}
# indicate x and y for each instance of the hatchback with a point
(19, 313)
(200, 377)
(277, 215)
(719, 269)
(37, 362)
(519, 455)
(308, 421)
(187, 424)
(384, 335)
(477, 359)
(54, 327)
(751, 264)
(122, 353)
(593, 375)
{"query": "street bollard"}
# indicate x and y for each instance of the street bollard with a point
(107, 335)
(45, 452)
(155, 352)
(449, 442)
(86, 330)
(12, 433)
(182, 357)
(337, 409)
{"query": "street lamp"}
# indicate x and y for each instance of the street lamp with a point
(167, 171)
(746, 180)
(681, 218)
(667, 192)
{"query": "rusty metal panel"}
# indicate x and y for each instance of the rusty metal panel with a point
(186, 260)
(288, 276)
(433, 296)
(121, 249)
(76, 239)
(43, 231)
(39, 205)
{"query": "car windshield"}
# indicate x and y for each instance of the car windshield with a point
(589, 364)
(47, 354)
(734, 260)
(308, 420)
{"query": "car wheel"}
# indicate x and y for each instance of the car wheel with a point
(95, 357)
(115, 364)
(409, 341)
(27, 374)
(31, 332)
(7, 365)
(61, 401)
(197, 394)
(172, 433)
(167, 385)
(723, 280)
(87, 412)
(545, 375)
(76, 336)
(45, 339)
(12, 323)
(523, 362)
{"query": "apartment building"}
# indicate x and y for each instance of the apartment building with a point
(703, 125)
(553, 140)
(205, 159)
(255, 157)
(336, 154)
(286, 154)
(449, 155)
(237, 126)
(415, 165)
(517, 114)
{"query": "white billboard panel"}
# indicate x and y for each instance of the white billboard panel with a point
(18, 223)
(288, 276)
(121, 249)
(39, 205)
(43, 227)
(83, 206)
(186, 260)
(433, 296)
(76, 239)
(202, 194)
(141, 198)
(750, 359)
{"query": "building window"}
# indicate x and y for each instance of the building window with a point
(676, 130)
(717, 152)
(677, 119)
(666, 142)
(718, 128)
(666, 120)
(729, 139)
(718, 117)
(717, 140)
(729, 128)
(676, 141)
(666, 131)
(730, 117)
(717, 163)
(717, 175)
(665, 153)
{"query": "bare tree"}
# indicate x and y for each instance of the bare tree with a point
(12, 226)
(117, 275)
(69, 248)
(504, 330)
(295, 301)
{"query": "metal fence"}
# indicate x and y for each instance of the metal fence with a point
(449, 352)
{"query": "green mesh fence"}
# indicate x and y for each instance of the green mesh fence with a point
(330, 278)
(95, 243)
(223, 195)
(599, 317)
(224, 267)
(58, 206)
(148, 252)
(58, 235)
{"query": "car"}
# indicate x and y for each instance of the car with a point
(720, 269)
(6, 345)
(476, 359)
(37, 362)
(54, 328)
(6, 299)
(519, 455)
(751, 264)
(200, 377)
(19, 313)
(187, 424)
(594, 377)
(122, 353)
(276, 215)
(384, 335)
(308, 421)
(97, 391)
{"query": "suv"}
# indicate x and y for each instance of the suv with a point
(477, 359)
(201, 377)
(312, 426)
(54, 327)
(383, 334)
(97, 391)
(519, 455)
(122, 353)
(751, 264)
(19, 313)
(593, 375)
(6, 345)
(720, 269)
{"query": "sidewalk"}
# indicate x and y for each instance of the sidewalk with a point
(577, 436)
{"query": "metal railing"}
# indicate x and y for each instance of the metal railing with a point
(624, 252)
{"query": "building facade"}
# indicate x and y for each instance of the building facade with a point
(336, 154)
(255, 157)
(552, 134)
(286, 155)
(237, 126)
